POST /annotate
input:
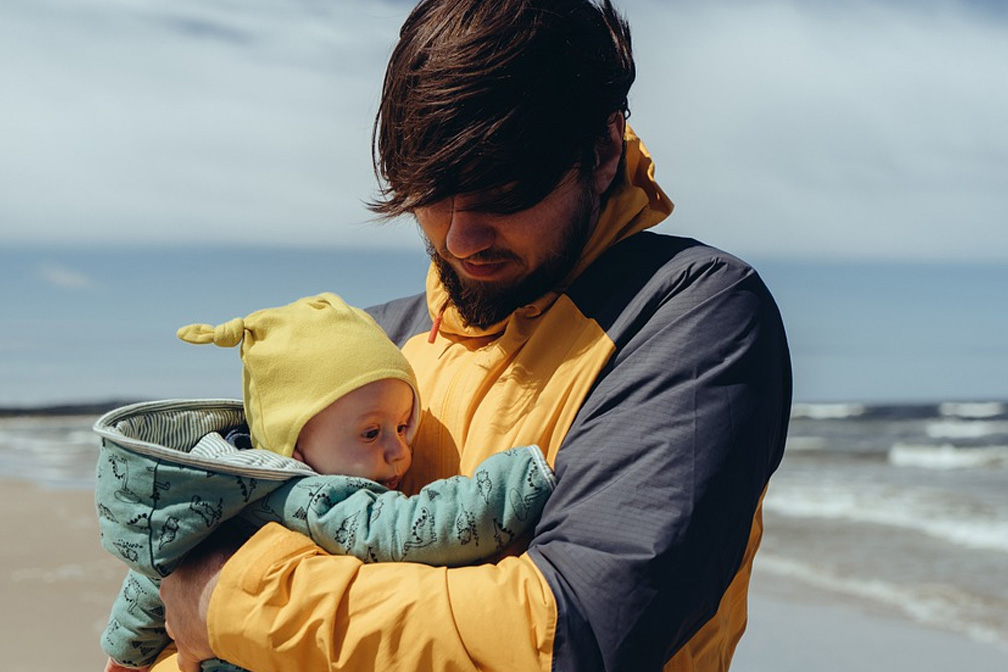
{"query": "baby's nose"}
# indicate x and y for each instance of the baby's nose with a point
(396, 450)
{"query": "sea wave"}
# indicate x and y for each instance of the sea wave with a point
(52, 451)
(947, 456)
(965, 429)
(945, 411)
(827, 411)
(920, 511)
(983, 409)
(935, 605)
(805, 443)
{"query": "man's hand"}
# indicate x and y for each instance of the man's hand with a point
(186, 595)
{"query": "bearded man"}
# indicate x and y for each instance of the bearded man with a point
(652, 370)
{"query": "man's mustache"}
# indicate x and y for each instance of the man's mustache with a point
(487, 256)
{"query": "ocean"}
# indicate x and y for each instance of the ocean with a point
(892, 491)
(903, 506)
(79, 325)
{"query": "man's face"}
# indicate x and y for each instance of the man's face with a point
(491, 264)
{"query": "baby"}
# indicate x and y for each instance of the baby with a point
(324, 392)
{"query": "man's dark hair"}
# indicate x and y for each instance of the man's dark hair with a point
(497, 98)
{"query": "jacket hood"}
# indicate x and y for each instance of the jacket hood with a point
(637, 203)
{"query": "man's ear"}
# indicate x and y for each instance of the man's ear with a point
(608, 152)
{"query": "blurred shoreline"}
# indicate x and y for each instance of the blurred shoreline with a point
(59, 582)
(795, 628)
(886, 534)
(63, 410)
(810, 409)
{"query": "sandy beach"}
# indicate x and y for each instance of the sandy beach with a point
(56, 580)
(798, 629)
(57, 585)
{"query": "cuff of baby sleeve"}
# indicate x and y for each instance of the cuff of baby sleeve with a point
(547, 473)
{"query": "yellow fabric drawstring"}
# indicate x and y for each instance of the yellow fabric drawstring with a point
(437, 323)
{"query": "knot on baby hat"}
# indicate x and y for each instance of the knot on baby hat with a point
(226, 335)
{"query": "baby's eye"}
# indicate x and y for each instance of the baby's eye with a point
(401, 429)
(370, 434)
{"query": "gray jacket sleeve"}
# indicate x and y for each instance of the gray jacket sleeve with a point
(451, 522)
(662, 471)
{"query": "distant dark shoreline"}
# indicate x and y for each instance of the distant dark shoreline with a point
(863, 410)
(94, 408)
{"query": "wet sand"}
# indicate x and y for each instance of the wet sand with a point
(793, 628)
(56, 580)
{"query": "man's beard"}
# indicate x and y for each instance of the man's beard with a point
(482, 304)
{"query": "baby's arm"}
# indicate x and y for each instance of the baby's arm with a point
(451, 522)
(135, 633)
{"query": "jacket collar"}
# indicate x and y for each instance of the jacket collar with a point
(638, 203)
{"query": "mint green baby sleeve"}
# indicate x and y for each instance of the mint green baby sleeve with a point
(450, 522)
(135, 633)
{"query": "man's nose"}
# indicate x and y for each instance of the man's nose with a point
(469, 232)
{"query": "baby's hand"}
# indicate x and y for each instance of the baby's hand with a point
(112, 666)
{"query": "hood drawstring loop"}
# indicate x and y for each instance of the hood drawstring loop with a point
(437, 323)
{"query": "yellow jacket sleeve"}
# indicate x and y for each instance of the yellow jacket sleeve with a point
(283, 604)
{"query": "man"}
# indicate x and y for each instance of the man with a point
(652, 370)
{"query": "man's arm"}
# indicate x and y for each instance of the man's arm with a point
(663, 470)
(660, 477)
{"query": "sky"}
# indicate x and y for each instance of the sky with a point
(800, 129)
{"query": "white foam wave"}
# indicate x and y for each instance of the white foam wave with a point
(805, 443)
(912, 510)
(985, 409)
(947, 456)
(54, 451)
(827, 411)
(964, 429)
(934, 605)
(45, 445)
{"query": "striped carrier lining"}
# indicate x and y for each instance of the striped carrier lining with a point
(176, 431)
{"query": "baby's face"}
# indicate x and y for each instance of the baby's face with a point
(362, 434)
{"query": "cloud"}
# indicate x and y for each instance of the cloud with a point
(122, 127)
(63, 277)
(867, 130)
(779, 128)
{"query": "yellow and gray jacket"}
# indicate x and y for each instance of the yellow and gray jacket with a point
(657, 383)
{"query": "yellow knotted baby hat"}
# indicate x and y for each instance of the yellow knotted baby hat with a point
(300, 358)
